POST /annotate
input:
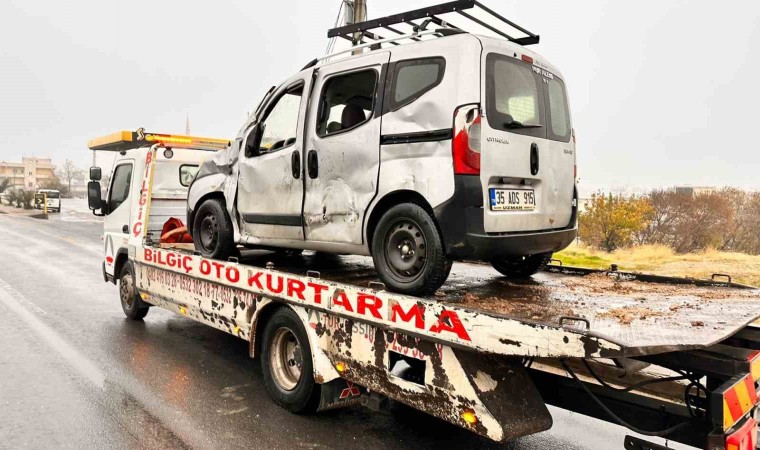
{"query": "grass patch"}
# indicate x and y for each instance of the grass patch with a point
(661, 260)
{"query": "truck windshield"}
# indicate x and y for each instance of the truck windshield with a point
(525, 99)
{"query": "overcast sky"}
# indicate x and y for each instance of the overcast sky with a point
(662, 92)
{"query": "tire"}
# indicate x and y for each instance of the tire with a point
(521, 266)
(408, 251)
(289, 377)
(213, 234)
(131, 303)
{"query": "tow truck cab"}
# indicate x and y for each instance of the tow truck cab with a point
(125, 208)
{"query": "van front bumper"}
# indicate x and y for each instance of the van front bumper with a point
(460, 220)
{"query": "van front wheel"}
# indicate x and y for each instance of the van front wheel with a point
(213, 234)
(521, 266)
(408, 251)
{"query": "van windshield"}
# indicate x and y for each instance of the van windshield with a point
(525, 99)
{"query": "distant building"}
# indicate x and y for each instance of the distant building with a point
(694, 190)
(30, 173)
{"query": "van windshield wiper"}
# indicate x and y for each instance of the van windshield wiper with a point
(515, 124)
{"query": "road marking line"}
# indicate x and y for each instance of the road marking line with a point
(20, 298)
(14, 300)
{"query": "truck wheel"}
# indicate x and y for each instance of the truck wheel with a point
(408, 251)
(286, 363)
(213, 235)
(521, 266)
(131, 303)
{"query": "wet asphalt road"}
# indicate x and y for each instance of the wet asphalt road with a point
(75, 373)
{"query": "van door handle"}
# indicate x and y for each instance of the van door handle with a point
(312, 163)
(295, 164)
(125, 229)
(534, 164)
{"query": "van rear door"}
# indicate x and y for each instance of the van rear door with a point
(527, 154)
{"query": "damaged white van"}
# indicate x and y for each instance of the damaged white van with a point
(426, 147)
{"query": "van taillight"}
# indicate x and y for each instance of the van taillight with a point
(465, 147)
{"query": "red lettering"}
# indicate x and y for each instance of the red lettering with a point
(416, 312)
(369, 302)
(296, 288)
(160, 258)
(148, 159)
(218, 266)
(254, 279)
(170, 261)
(279, 284)
(148, 255)
(205, 267)
(318, 288)
(137, 229)
(186, 263)
(232, 274)
(340, 299)
(449, 321)
(143, 201)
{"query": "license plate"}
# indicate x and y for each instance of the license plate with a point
(512, 200)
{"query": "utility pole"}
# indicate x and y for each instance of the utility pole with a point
(356, 11)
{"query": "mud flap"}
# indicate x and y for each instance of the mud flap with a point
(339, 393)
(506, 390)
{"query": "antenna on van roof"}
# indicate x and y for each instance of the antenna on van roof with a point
(470, 16)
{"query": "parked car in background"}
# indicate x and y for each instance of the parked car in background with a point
(50, 196)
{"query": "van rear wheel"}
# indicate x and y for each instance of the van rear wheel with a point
(408, 251)
(213, 234)
(521, 266)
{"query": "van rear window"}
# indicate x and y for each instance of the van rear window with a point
(521, 100)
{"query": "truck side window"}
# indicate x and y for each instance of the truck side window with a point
(281, 122)
(346, 102)
(122, 180)
(413, 78)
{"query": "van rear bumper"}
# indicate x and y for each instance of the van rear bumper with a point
(486, 247)
(460, 220)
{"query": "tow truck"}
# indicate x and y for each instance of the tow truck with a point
(672, 358)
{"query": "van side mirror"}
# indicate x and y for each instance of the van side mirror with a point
(253, 142)
(94, 200)
(95, 173)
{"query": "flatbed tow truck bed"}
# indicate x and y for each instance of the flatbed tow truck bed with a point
(642, 313)
(665, 357)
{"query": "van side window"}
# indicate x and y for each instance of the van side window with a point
(559, 115)
(122, 180)
(346, 102)
(412, 78)
(281, 122)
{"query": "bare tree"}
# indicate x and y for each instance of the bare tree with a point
(70, 172)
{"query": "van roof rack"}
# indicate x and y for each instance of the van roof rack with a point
(410, 24)
(128, 140)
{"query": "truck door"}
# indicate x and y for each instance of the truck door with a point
(270, 183)
(117, 223)
(343, 148)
